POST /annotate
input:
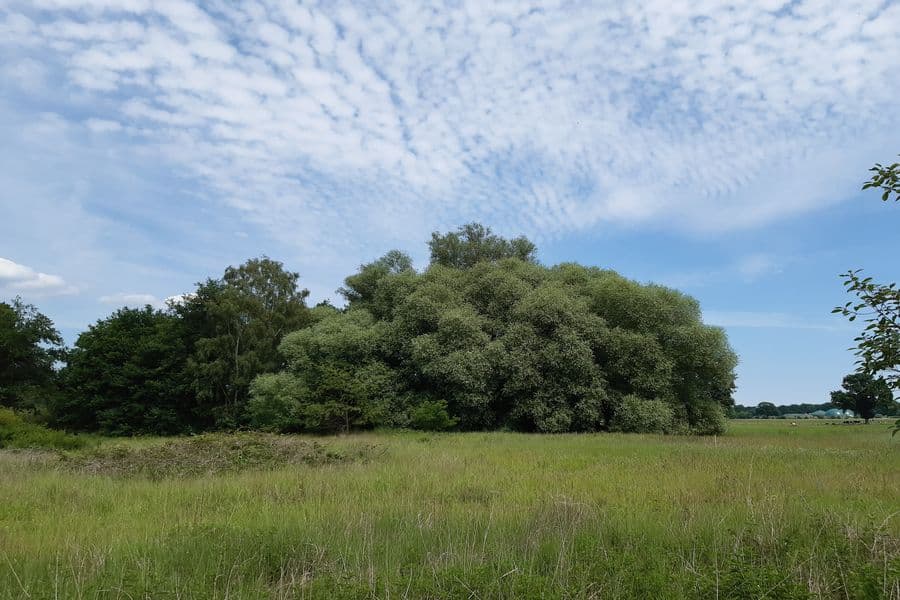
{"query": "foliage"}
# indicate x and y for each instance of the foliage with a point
(473, 243)
(739, 411)
(334, 380)
(235, 324)
(29, 347)
(637, 415)
(864, 395)
(878, 306)
(484, 338)
(16, 432)
(431, 415)
(187, 368)
(276, 401)
(766, 409)
(887, 179)
(125, 376)
(505, 343)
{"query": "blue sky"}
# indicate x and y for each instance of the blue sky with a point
(716, 148)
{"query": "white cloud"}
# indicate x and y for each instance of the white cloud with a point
(18, 278)
(346, 121)
(130, 299)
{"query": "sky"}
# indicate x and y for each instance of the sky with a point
(715, 147)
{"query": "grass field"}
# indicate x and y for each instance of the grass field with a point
(766, 511)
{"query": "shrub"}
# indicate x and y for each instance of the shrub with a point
(15, 432)
(431, 416)
(709, 419)
(637, 415)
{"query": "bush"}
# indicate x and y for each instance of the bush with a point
(431, 416)
(637, 415)
(709, 419)
(15, 432)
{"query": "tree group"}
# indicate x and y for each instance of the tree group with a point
(483, 338)
(486, 338)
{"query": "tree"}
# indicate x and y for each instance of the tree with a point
(766, 410)
(878, 306)
(29, 348)
(236, 324)
(878, 346)
(864, 395)
(334, 380)
(126, 375)
(473, 243)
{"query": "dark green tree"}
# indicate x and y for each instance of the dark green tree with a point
(236, 323)
(126, 376)
(29, 348)
(766, 410)
(864, 395)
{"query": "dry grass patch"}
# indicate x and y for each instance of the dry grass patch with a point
(211, 454)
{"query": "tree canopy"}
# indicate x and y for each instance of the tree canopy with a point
(499, 341)
(188, 367)
(473, 243)
(483, 338)
(766, 409)
(864, 395)
(30, 345)
(235, 324)
(126, 375)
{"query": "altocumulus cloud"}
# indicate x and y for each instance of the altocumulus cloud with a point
(18, 278)
(546, 117)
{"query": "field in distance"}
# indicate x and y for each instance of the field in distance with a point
(769, 510)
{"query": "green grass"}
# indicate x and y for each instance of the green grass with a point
(767, 511)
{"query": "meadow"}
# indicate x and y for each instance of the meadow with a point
(768, 510)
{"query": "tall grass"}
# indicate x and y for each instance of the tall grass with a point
(767, 511)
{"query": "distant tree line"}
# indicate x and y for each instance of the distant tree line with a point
(483, 338)
(768, 409)
(862, 394)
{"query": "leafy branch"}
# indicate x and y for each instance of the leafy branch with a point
(886, 178)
